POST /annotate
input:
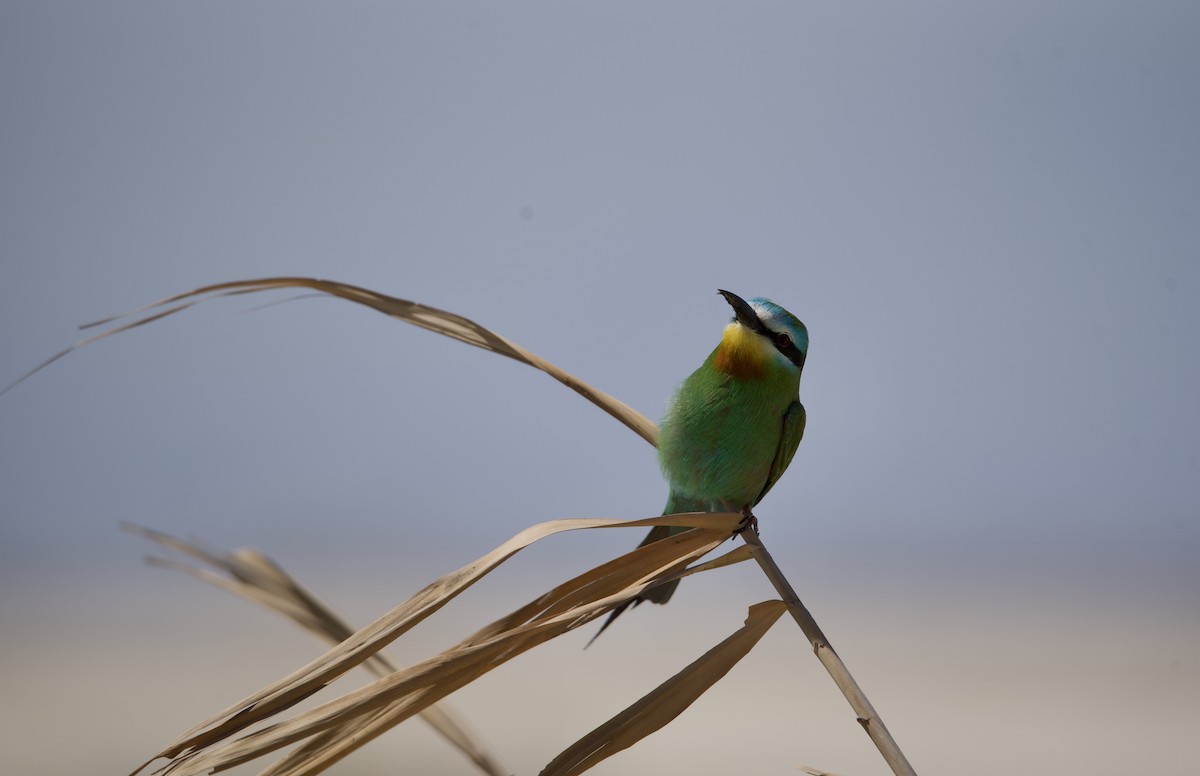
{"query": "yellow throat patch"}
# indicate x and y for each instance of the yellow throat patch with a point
(742, 353)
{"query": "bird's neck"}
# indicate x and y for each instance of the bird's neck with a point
(742, 353)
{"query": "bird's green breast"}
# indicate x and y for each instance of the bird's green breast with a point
(721, 434)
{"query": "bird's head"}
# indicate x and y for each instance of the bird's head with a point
(761, 336)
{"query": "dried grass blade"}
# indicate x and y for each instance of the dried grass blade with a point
(411, 689)
(256, 577)
(441, 321)
(253, 576)
(366, 642)
(669, 699)
(427, 681)
(328, 747)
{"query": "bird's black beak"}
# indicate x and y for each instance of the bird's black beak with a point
(742, 311)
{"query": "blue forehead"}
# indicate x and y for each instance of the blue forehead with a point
(779, 319)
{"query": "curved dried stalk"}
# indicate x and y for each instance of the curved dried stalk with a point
(441, 321)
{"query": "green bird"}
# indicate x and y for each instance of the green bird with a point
(734, 425)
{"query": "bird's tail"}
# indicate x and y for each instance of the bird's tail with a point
(659, 595)
(675, 503)
(662, 593)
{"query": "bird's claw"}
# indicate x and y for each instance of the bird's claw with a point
(749, 521)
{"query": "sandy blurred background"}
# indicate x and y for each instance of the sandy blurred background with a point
(987, 214)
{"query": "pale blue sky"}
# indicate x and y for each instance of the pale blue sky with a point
(987, 214)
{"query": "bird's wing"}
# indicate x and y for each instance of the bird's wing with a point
(789, 440)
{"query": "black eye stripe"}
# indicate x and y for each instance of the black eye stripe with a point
(793, 353)
(790, 351)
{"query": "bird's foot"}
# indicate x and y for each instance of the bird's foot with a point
(749, 521)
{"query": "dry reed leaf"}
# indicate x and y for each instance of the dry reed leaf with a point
(669, 699)
(327, 747)
(254, 576)
(431, 318)
(403, 693)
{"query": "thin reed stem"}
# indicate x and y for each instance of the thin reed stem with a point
(867, 716)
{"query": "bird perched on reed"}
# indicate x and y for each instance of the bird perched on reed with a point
(734, 425)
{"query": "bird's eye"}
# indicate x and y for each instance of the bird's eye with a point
(782, 340)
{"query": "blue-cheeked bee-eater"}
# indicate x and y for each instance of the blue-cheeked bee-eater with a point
(734, 425)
